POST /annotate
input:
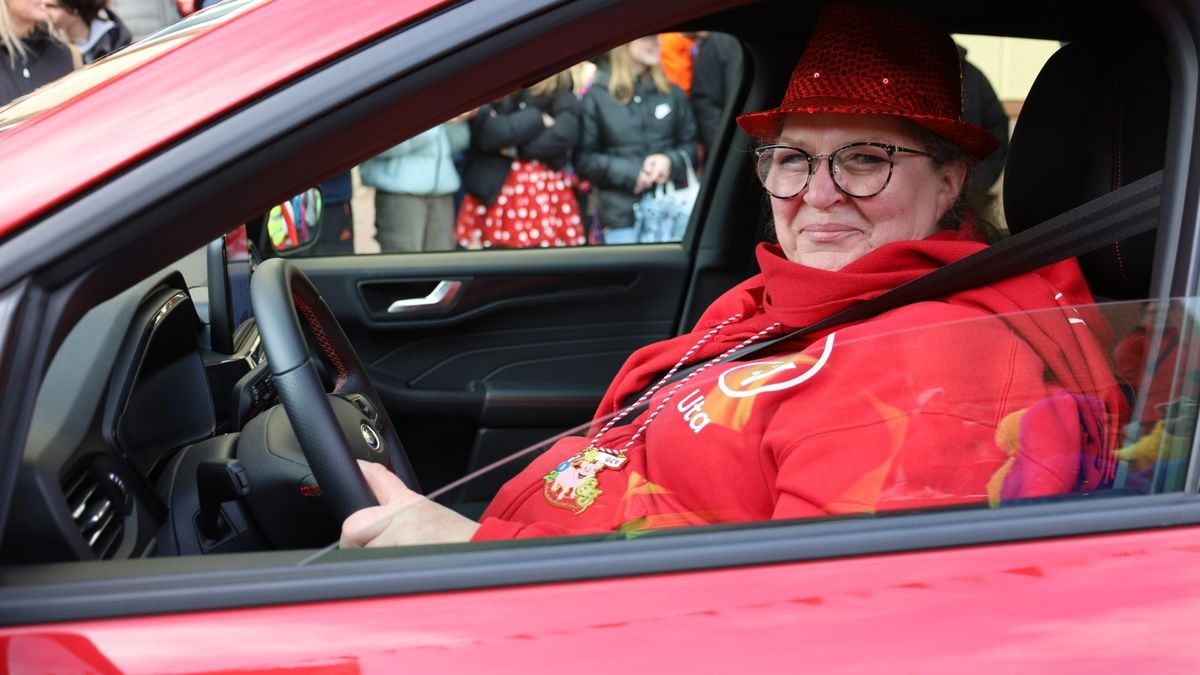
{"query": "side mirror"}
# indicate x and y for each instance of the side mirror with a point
(295, 224)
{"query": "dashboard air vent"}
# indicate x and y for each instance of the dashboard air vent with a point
(92, 498)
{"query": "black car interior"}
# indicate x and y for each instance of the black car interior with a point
(1103, 112)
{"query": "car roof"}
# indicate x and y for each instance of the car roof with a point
(139, 97)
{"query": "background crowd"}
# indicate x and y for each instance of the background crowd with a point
(596, 154)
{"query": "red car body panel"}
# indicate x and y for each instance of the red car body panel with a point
(1089, 604)
(52, 156)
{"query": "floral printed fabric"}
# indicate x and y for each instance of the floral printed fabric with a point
(536, 207)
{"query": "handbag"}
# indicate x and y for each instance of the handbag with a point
(663, 215)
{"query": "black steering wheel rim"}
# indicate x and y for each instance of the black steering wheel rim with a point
(283, 297)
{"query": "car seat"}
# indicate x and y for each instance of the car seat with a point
(1095, 120)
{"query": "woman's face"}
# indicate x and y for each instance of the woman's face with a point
(27, 12)
(645, 51)
(822, 227)
(60, 15)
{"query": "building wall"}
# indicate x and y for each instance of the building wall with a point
(145, 16)
(1011, 64)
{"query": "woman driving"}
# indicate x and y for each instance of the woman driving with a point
(991, 394)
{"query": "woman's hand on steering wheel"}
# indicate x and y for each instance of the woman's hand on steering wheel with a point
(403, 517)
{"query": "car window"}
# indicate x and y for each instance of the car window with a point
(585, 157)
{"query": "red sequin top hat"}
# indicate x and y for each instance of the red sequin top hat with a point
(878, 61)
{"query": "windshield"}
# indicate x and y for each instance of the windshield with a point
(96, 74)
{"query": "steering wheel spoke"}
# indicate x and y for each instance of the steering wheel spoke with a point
(286, 307)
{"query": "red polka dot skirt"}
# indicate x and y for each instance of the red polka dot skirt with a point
(536, 207)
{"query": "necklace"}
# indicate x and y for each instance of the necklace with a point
(575, 484)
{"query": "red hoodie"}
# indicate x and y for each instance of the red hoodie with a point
(994, 393)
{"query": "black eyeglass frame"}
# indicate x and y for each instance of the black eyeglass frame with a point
(814, 159)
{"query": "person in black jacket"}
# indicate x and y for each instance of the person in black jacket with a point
(982, 107)
(519, 194)
(90, 25)
(718, 71)
(29, 55)
(638, 132)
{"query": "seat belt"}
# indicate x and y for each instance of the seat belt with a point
(1114, 216)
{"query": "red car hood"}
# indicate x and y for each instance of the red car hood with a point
(106, 117)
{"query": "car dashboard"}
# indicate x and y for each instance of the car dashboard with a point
(133, 383)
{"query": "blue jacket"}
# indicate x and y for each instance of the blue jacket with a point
(422, 165)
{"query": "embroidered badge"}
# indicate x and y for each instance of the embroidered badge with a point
(574, 484)
(662, 110)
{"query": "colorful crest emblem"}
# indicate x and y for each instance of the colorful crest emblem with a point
(575, 484)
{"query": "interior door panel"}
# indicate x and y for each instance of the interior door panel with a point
(523, 350)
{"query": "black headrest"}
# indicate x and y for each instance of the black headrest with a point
(1095, 119)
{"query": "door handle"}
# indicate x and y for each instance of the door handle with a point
(441, 297)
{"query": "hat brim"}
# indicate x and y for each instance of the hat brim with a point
(975, 141)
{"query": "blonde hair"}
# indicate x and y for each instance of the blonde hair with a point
(582, 74)
(12, 42)
(554, 83)
(623, 76)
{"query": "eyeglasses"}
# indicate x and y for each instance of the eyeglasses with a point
(858, 169)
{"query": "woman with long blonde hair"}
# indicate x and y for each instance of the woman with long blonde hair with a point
(30, 55)
(519, 194)
(638, 132)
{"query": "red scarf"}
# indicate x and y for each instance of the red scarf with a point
(796, 296)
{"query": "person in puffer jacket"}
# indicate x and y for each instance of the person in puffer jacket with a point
(30, 55)
(519, 189)
(637, 132)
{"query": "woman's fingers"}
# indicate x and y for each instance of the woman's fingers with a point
(365, 525)
(656, 168)
(385, 485)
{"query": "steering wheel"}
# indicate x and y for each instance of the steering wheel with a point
(283, 297)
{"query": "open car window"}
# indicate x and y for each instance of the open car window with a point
(556, 164)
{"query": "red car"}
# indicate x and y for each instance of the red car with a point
(135, 397)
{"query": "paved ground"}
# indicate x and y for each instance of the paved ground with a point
(364, 217)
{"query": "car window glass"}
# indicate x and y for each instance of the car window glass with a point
(892, 438)
(609, 152)
(85, 79)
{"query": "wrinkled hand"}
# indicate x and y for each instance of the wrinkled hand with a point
(656, 169)
(402, 518)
